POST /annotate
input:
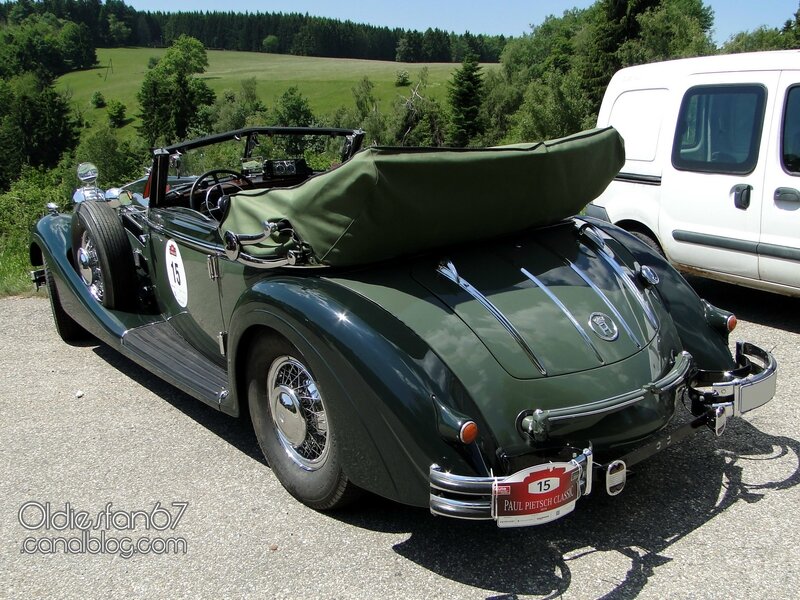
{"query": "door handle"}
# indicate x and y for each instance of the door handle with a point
(741, 196)
(787, 194)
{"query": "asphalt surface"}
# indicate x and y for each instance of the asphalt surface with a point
(711, 518)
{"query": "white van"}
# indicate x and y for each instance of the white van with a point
(712, 168)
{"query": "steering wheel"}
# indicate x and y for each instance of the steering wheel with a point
(214, 174)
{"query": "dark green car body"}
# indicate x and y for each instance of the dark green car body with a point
(503, 334)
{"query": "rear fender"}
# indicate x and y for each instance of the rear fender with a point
(695, 322)
(383, 374)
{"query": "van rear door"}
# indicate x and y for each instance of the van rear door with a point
(710, 214)
(779, 248)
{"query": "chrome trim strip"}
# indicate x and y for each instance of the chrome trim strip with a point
(607, 302)
(448, 270)
(535, 423)
(676, 375)
(608, 257)
(459, 509)
(191, 242)
(598, 411)
(566, 312)
(588, 231)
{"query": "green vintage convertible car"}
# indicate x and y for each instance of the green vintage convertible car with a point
(431, 325)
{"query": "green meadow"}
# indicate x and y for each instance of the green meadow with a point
(326, 82)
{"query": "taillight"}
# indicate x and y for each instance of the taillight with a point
(468, 432)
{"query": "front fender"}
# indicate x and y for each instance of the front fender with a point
(384, 378)
(51, 243)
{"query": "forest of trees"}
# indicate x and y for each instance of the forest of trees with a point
(113, 23)
(550, 83)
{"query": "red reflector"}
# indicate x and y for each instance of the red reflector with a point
(731, 323)
(468, 433)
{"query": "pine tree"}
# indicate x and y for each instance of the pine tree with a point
(466, 90)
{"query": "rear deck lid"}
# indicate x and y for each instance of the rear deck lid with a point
(546, 305)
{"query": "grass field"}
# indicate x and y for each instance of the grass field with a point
(326, 82)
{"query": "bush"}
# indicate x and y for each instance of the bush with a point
(21, 206)
(401, 79)
(98, 100)
(116, 113)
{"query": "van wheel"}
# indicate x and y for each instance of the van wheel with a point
(103, 255)
(649, 241)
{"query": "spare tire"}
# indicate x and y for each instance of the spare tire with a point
(103, 255)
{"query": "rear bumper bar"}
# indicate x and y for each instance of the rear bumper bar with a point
(716, 397)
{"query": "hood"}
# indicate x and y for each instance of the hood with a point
(544, 306)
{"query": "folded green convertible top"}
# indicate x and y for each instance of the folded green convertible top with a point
(389, 202)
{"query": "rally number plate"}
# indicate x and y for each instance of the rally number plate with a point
(536, 495)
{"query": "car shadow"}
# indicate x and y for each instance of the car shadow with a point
(756, 306)
(666, 498)
(237, 432)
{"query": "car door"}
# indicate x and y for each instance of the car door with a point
(184, 245)
(779, 247)
(710, 212)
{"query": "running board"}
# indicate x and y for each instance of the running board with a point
(161, 349)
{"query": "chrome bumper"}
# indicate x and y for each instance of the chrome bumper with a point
(716, 397)
(733, 393)
(471, 497)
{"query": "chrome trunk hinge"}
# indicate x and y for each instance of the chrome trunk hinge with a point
(213, 267)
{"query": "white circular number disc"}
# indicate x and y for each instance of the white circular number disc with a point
(176, 274)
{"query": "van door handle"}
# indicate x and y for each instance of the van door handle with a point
(741, 196)
(787, 194)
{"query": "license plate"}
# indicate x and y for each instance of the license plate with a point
(536, 495)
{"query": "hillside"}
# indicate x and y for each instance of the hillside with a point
(326, 82)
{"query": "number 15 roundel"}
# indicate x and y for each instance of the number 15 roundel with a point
(176, 273)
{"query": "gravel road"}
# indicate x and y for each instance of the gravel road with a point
(83, 426)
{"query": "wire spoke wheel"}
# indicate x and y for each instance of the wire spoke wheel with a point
(89, 266)
(298, 412)
(293, 407)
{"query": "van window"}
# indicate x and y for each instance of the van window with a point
(719, 129)
(632, 116)
(790, 140)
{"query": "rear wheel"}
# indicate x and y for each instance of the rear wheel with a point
(291, 419)
(103, 255)
(66, 327)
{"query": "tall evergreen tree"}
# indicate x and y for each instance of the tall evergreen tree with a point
(465, 94)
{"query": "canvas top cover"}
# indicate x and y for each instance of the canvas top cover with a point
(387, 202)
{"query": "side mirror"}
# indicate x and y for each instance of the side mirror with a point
(87, 173)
